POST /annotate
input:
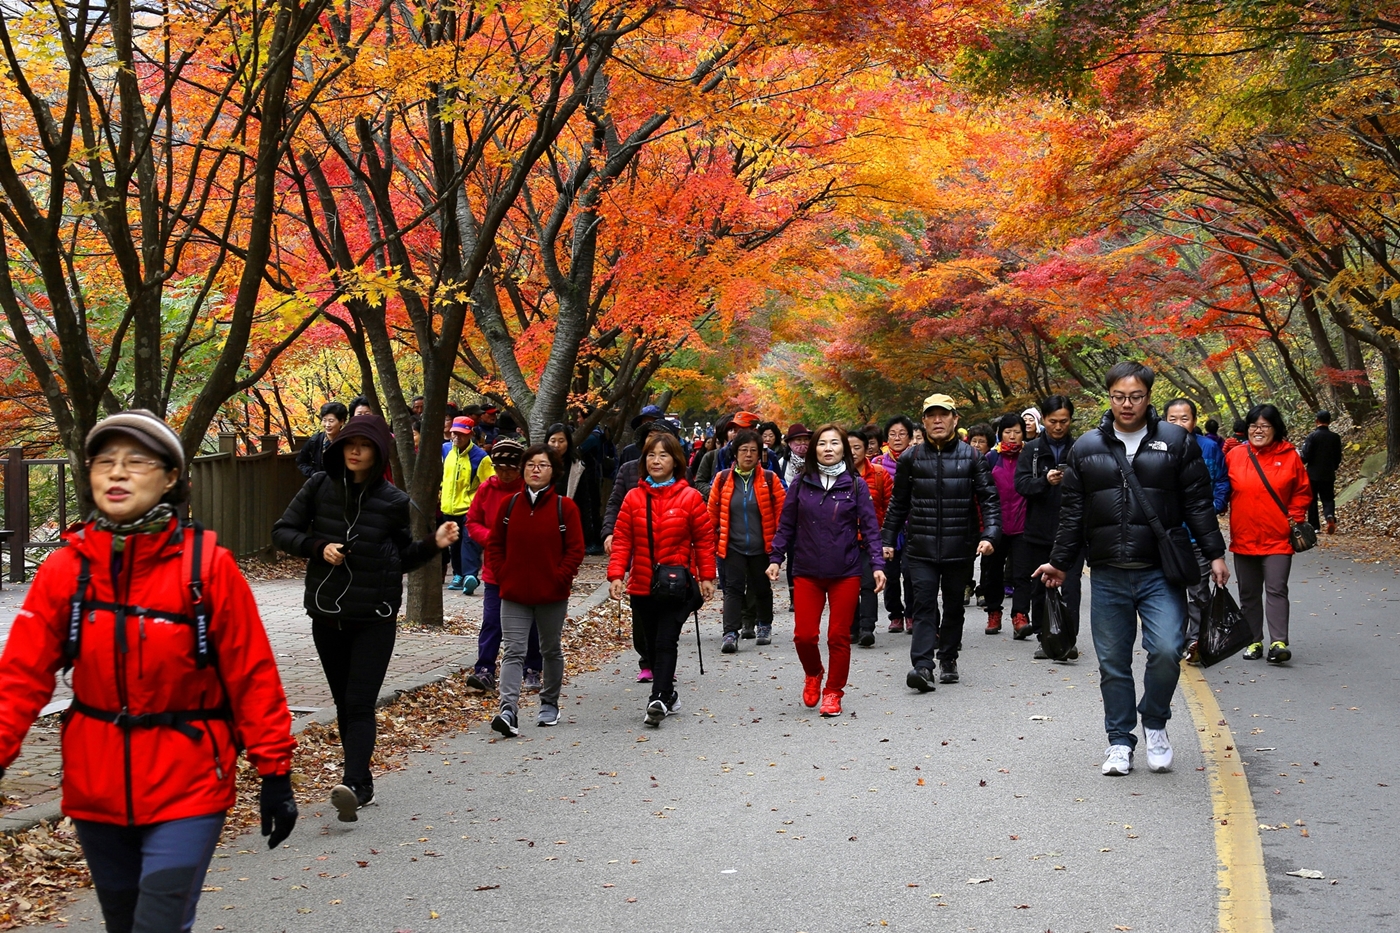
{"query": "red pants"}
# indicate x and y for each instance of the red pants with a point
(809, 596)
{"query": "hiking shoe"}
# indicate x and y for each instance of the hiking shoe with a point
(896, 623)
(968, 592)
(908, 626)
(1159, 750)
(504, 723)
(644, 675)
(747, 634)
(994, 622)
(1072, 654)
(656, 711)
(456, 584)
(549, 716)
(981, 600)
(812, 691)
(1118, 761)
(1254, 652)
(731, 643)
(346, 802)
(1040, 655)
(673, 705)
(1279, 653)
(482, 680)
(831, 703)
(947, 671)
(765, 635)
(1331, 526)
(867, 639)
(921, 679)
(532, 681)
(1192, 654)
(469, 585)
(1020, 625)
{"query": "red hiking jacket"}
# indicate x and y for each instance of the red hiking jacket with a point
(681, 526)
(491, 496)
(1257, 525)
(146, 775)
(534, 562)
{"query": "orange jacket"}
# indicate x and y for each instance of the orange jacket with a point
(770, 506)
(1257, 526)
(881, 488)
(146, 665)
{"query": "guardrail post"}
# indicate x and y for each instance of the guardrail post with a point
(16, 510)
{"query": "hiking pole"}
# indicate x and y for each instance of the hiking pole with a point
(698, 652)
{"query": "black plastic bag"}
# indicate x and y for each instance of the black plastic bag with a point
(1060, 633)
(1224, 632)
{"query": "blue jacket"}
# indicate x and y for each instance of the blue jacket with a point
(823, 528)
(1219, 475)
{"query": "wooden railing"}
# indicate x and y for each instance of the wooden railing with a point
(238, 497)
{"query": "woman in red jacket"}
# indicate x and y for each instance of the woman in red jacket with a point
(881, 488)
(663, 521)
(1259, 528)
(536, 547)
(170, 674)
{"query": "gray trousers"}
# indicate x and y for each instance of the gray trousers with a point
(1197, 597)
(516, 620)
(1263, 582)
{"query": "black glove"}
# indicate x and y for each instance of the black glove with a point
(278, 808)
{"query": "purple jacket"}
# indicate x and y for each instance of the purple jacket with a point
(823, 528)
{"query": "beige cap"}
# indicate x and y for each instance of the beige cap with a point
(143, 427)
(939, 400)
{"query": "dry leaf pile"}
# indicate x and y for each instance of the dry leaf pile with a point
(41, 868)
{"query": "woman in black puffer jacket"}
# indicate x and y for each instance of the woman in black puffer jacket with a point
(352, 526)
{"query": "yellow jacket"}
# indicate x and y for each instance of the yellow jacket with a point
(459, 481)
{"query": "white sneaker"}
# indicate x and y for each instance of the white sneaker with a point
(1118, 760)
(1159, 750)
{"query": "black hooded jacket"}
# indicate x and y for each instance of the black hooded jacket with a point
(1098, 509)
(373, 516)
(949, 499)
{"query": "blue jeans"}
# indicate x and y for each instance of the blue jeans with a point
(1120, 597)
(149, 877)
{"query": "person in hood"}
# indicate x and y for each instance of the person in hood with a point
(170, 679)
(1265, 472)
(353, 529)
(1030, 424)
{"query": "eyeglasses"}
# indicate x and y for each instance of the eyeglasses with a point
(537, 467)
(135, 465)
(1260, 428)
(1118, 398)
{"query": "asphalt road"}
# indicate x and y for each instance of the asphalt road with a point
(747, 812)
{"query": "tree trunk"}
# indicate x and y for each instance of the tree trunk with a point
(1392, 415)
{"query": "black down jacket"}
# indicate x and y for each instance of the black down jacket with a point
(1042, 499)
(1098, 509)
(949, 499)
(372, 516)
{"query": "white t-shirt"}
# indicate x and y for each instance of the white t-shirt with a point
(1131, 441)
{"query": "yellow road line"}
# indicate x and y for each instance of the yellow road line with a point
(1244, 888)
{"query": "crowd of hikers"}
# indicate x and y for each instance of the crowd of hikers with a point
(173, 676)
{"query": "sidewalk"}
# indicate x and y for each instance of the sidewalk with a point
(31, 786)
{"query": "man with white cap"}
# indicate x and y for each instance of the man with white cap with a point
(944, 490)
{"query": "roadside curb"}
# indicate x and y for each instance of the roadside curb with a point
(52, 811)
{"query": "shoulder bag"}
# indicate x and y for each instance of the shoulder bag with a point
(1302, 535)
(1174, 544)
(669, 582)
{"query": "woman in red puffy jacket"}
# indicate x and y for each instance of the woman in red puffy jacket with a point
(170, 674)
(663, 522)
(1259, 529)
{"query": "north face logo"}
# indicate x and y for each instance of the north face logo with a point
(1157, 445)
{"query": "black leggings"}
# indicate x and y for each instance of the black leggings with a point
(355, 657)
(660, 622)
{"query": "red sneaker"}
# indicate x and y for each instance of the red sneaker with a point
(1020, 625)
(994, 623)
(897, 624)
(812, 691)
(831, 703)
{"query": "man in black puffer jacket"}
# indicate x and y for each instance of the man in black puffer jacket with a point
(944, 490)
(352, 527)
(1099, 510)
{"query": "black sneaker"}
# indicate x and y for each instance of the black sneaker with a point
(346, 802)
(504, 723)
(731, 643)
(484, 681)
(1279, 653)
(748, 634)
(533, 681)
(867, 639)
(673, 705)
(656, 711)
(948, 671)
(921, 679)
(1072, 654)
(1040, 655)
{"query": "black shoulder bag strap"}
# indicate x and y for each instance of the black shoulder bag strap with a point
(1131, 478)
(1267, 485)
(651, 546)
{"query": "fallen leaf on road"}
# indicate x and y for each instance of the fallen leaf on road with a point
(487, 887)
(1307, 873)
(978, 880)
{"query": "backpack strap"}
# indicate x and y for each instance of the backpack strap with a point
(194, 573)
(75, 614)
(563, 532)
